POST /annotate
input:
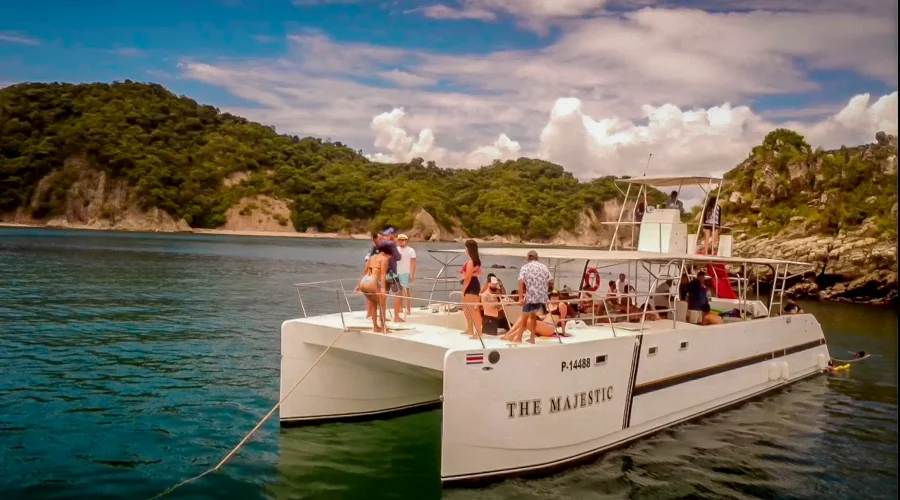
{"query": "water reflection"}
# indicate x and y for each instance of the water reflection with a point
(398, 458)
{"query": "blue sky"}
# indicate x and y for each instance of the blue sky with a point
(471, 69)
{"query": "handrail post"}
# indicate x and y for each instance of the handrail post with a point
(347, 300)
(612, 243)
(609, 317)
(434, 284)
(338, 296)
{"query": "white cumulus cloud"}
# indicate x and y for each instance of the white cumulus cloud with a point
(698, 141)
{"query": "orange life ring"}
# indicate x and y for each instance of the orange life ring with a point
(591, 280)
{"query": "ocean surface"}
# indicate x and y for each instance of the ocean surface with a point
(130, 362)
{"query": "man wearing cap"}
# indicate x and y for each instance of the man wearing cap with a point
(534, 281)
(406, 270)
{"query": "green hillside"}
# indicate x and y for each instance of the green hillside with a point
(176, 154)
(785, 186)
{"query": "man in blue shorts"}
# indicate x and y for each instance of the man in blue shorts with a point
(406, 270)
(534, 281)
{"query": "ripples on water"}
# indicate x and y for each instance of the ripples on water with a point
(130, 362)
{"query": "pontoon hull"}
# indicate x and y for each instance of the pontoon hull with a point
(530, 410)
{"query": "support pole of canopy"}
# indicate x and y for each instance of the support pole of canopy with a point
(619, 222)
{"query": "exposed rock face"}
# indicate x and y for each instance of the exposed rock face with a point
(235, 179)
(259, 213)
(848, 267)
(854, 262)
(93, 202)
(588, 231)
(425, 228)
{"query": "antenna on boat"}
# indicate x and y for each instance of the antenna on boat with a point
(648, 164)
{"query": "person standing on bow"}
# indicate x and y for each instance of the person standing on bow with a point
(406, 270)
(393, 279)
(534, 281)
(471, 290)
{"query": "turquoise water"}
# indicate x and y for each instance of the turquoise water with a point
(129, 362)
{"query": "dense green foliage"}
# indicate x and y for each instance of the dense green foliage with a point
(176, 154)
(825, 190)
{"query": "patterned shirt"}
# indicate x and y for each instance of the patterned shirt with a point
(536, 277)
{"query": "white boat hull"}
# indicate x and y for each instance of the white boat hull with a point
(513, 411)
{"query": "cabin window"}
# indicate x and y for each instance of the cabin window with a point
(601, 359)
(651, 351)
(684, 345)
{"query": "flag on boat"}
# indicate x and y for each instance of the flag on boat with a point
(475, 358)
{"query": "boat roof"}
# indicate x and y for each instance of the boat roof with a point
(616, 256)
(673, 181)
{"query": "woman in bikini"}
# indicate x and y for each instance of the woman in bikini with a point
(374, 285)
(471, 290)
(546, 324)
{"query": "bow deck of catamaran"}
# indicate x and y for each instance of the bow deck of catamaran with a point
(511, 409)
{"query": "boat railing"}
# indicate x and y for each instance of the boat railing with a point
(338, 296)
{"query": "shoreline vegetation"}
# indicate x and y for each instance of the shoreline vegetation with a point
(254, 234)
(135, 157)
(219, 232)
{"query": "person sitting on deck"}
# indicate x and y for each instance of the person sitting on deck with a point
(494, 318)
(548, 321)
(709, 317)
(628, 306)
(791, 306)
(611, 303)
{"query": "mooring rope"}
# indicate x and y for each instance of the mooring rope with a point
(258, 425)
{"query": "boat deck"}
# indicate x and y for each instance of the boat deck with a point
(423, 326)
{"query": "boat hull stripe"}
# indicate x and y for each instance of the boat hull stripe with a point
(629, 398)
(665, 383)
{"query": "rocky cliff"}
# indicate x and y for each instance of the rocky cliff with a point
(835, 209)
(91, 201)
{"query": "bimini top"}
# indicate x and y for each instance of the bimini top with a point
(617, 256)
(674, 181)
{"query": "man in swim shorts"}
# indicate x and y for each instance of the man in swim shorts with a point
(534, 281)
(406, 270)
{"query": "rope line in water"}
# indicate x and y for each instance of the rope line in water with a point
(258, 425)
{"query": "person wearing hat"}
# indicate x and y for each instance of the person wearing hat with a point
(406, 270)
(534, 281)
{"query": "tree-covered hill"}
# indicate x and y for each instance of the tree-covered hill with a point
(785, 185)
(836, 209)
(182, 157)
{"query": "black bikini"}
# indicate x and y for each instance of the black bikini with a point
(474, 287)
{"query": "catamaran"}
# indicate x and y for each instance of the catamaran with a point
(519, 409)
